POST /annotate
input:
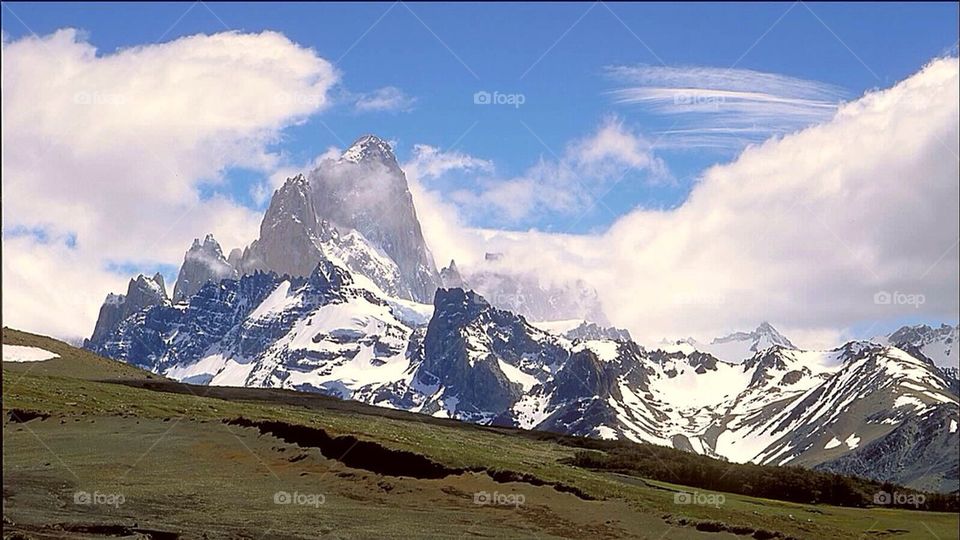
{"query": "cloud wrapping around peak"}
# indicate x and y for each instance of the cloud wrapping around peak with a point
(841, 223)
(712, 107)
(112, 149)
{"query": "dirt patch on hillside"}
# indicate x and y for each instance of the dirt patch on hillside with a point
(374, 457)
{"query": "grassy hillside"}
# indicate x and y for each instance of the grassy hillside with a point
(159, 459)
(73, 362)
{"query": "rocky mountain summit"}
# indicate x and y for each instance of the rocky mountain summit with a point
(203, 262)
(142, 292)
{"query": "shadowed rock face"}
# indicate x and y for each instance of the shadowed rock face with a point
(464, 343)
(290, 234)
(142, 292)
(365, 190)
(203, 262)
(922, 451)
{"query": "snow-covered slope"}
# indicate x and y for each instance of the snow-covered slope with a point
(326, 333)
(23, 353)
(937, 344)
(736, 347)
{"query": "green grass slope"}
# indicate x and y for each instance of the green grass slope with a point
(100, 451)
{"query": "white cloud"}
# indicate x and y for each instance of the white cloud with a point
(262, 191)
(445, 233)
(388, 98)
(802, 230)
(112, 148)
(564, 184)
(724, 108)
(429, 162)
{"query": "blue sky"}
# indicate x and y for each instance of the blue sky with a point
(625, 109)
(556, 56)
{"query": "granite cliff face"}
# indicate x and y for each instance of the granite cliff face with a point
(366, 191)
(142, 292)
(203, 262)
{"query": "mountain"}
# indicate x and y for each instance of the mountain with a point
(922, 452)
(467, 359)
(735, 347)
(203, 262)
(365, 190)
(338, 295)
(527, 294)
(323, 333)
(450, 276)
(142, 293)
(356, 211)
(291, 234)
(593, 331)
(937, 344)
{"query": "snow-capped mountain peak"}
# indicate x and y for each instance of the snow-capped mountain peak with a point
(203, 262)
(936, 344)
(734, 348)
(369, 147)
(763, 337)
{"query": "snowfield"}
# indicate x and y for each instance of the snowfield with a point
(21, 353)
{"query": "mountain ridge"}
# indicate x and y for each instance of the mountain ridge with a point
(332, 299)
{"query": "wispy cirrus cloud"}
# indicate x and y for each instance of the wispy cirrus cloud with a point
(710, 107)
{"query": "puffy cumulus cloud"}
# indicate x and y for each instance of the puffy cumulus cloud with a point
(110, 149)
(388, 99)
(846, 222)
(567, 183)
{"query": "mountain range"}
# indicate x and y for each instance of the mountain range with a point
(340, 295)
